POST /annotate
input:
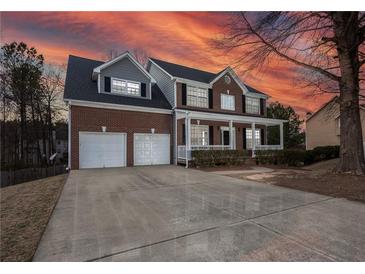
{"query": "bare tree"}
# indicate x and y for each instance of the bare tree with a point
(21, 68)
(52, 86)
(141, 56)
(328, 46)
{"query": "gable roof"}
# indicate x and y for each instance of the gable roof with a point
(180, 71)
(333, 100)
(126, 54)
(189, 73)
(80, 86)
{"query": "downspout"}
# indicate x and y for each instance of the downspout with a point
(69, 136)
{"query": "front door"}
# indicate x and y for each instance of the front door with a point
(225, 136)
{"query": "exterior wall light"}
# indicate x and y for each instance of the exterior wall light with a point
(103, 128)
(152, 130)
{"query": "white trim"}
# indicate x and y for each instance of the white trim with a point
(235, 78)
(193, 83)
(69, 136)
(175, 95)
(171, 77)
(120, 57)
(210, 116)
(117, 106)
(234, 137)
(99, 83)
(175, 140)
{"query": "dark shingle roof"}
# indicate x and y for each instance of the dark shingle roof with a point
(251, 89)
(80, 86)
(185, 72)
(193, 74)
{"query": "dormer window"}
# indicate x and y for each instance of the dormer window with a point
(125, 87)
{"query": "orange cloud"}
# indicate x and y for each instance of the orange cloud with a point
(180, 37)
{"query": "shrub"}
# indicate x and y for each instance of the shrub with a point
(211, 158)
(295, 157)
(326, 152)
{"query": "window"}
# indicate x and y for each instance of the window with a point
(252, 105)
(227, 102)
(249, 137)
(126, 87)
(199, 135)
(197, 97)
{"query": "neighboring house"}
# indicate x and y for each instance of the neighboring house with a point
(121, 114)
(323, 126)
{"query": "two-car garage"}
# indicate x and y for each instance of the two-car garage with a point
(110, 149)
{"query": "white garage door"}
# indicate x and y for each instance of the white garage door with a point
(151, 149)
(102, 149)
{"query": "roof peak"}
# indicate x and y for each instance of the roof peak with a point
(85, 58)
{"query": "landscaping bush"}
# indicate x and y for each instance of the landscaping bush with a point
(211, 158)
(326, 152)
(295, 157)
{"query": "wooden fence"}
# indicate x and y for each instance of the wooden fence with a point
(28, 174)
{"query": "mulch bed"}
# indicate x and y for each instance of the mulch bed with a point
(25, 212)
(335, 185)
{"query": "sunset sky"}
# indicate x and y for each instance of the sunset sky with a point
(175, 37)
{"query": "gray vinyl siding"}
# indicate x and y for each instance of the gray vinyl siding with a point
(127, 70)
(164, 82)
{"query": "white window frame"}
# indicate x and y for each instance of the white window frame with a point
(125, 90)
(194, 96)
(249, 137)
(251, 107)
(228, 102)
(223, 129)
(202, 140)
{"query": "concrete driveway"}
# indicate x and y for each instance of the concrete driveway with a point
(168, 213)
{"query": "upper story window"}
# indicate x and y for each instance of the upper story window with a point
(252, 105)
(197, 97)
(227, 102)
(125, 87)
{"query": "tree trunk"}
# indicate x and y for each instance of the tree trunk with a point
(351, 142)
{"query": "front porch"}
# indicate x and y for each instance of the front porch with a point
(212, 131)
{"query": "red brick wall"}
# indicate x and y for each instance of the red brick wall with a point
(92, 119)
(219, 87)
(216, 131)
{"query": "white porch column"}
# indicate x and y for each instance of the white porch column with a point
(253, 128)
(231, 134)
(187, 139)
(281, 136)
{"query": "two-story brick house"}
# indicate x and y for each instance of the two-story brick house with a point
(122, 114)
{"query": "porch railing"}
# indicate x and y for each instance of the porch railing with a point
(268, 147)
(181, 150)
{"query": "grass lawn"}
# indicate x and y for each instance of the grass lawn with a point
(25, 211)
(317, 178)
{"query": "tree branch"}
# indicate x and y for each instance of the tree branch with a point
(288, 58)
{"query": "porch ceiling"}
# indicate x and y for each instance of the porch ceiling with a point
(182, 114)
